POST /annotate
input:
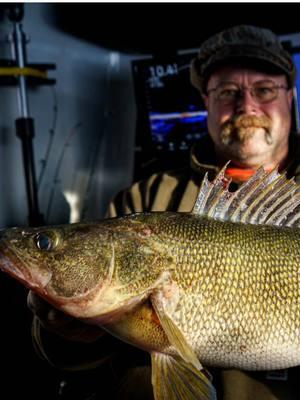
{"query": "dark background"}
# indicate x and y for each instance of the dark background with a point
(158, 28)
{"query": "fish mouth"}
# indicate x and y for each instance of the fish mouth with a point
(10, 264)
(13, 266)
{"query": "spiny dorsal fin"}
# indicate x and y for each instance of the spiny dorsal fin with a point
(266, 198)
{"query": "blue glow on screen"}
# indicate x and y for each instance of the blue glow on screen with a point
(176, 129)
(296, 58)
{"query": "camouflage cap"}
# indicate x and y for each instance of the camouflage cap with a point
(257, 47)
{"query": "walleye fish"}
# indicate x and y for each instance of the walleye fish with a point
(219, 286)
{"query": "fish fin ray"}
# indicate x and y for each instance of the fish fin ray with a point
(174, 334)
(211, 194)
(174, 379)
(266, 198)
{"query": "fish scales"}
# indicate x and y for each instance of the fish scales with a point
(251, 269)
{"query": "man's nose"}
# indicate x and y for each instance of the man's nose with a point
(245, 103)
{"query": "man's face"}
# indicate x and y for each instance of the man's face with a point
(249, 116)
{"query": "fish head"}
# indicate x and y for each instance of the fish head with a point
(94, 272)
(66, 264)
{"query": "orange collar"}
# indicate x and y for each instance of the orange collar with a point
(241, 174)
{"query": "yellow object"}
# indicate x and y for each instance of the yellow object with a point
(26, 71)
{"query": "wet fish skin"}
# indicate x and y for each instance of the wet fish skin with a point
(236, 295)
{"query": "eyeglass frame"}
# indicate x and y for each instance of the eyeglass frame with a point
(242, 89)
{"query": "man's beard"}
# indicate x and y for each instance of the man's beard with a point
(240, 128)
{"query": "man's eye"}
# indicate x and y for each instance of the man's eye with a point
(264, 91)
(228, 93)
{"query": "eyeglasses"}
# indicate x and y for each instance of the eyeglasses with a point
(262, 92)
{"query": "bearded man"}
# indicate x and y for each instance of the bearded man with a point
(246, 80)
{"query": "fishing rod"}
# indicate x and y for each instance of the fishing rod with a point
(25, 123)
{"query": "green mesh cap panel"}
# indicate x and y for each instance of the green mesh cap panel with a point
(245, 44)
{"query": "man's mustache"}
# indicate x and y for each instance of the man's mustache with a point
(239, 128)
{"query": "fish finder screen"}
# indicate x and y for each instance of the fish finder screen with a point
(171, 114)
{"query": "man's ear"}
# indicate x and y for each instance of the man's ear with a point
(290, 96)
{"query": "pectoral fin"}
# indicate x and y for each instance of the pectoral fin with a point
(174, 379)
(174, 334)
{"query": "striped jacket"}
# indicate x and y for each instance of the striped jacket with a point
(177, 190)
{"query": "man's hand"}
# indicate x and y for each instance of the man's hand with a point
(61, 324)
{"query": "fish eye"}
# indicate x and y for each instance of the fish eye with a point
(45, 241)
